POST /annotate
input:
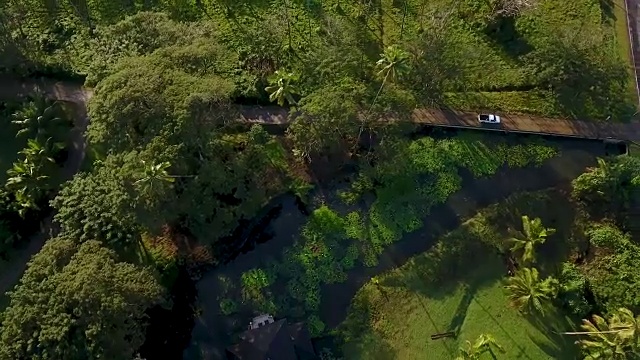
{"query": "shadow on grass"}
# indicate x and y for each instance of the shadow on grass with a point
(359, 340)
(552, 324)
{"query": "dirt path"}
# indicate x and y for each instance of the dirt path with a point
(77, 99)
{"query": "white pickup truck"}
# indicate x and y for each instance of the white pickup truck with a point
(489, 118)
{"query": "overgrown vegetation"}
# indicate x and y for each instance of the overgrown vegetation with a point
(409, 178)
(175, 178)
(587, 269)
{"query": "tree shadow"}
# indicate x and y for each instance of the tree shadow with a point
(504, 34)
(357, 337)
(607, 9)
(552, 324)
(463, 307)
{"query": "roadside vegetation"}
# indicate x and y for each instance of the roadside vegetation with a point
(174, 186)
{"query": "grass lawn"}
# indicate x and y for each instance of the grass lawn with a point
(456, 286)
(624, 45)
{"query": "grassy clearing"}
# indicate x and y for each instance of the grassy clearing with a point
(562, 58)
(457, 286)
(621, 26)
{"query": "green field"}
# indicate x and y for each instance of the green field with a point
(457, 286)
(624, 45)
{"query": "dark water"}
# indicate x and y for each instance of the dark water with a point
(168, 331)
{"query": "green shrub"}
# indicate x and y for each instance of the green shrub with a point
(613, 276)
(256, 279)
(315, 325)
(228, 306)
(573, 285)
(324, 223)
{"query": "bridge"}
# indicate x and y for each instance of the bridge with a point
(274, 115)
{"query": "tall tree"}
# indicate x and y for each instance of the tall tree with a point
(528, 293)
(533, 233)
(393, 64)
(485, 343)
(77, 302)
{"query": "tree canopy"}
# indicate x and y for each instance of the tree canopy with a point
(78, 302)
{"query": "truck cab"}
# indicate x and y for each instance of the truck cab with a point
(489, 118)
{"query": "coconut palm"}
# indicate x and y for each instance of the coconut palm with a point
(154, 177)
(282, 88)
(484, 343)
(533, 233)
(616, 339)
(393, 64)
(38, 119)
(528, 293)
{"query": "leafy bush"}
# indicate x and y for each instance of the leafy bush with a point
(315, 325)
(573, 285)
(606, 190)
(613, 276)
(255, 291)
(228, 306)
(256, 279)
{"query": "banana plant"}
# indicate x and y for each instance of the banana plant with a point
(39, 119)
(282, 87)
(27, 183)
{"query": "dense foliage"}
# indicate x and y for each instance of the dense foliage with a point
(78, 302)
(613, 276)
(411, 176)
(33, 147)
(545, 59)
(174, 170)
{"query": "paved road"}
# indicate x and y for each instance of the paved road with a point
(75, 93)
(462, 119)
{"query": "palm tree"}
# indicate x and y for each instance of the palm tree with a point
(533, 233)
(393, 64)
(38, 119)
(616, 339)
(154, 177)
(282, 87)
(484, 343)
(528, 293)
